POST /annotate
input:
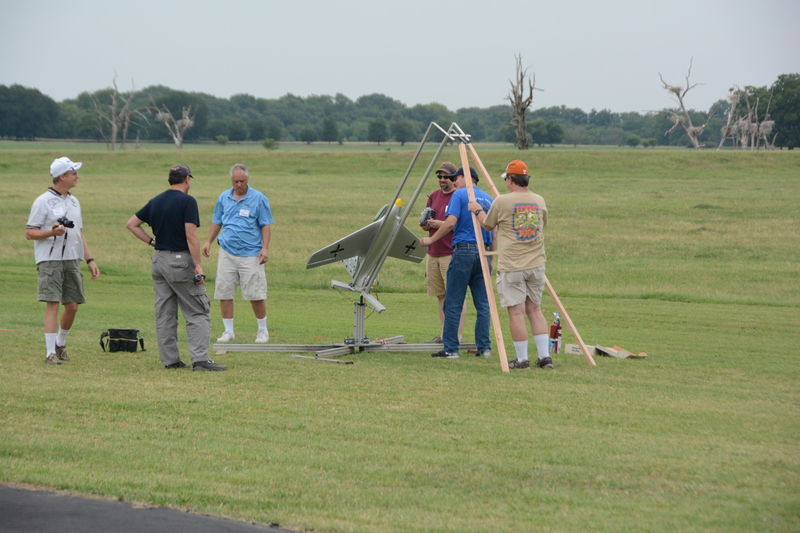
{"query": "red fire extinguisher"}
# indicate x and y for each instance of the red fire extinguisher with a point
(555, 335)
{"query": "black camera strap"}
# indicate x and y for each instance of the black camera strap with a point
(66, 232)
(63, 246)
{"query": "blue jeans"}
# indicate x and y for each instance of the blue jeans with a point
(465, 271)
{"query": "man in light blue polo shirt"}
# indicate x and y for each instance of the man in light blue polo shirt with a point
(243, 216)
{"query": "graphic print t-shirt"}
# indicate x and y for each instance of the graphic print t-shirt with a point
(520, 218)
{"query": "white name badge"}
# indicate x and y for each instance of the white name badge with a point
(244, 212)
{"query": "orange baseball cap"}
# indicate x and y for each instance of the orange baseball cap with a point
(516, 167)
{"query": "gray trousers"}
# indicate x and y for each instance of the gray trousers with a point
(172, 277)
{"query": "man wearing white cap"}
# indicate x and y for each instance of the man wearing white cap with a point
(55, 224)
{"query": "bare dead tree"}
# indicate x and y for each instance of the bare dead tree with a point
(128, 116)
(747, 130)
(177, 127)
(751, 126)
(520, 103)
(728, 128)
(682, 117)
(105, 118)
(117, 116)
(765, 129)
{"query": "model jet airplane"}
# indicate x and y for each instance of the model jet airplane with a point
(364, 251)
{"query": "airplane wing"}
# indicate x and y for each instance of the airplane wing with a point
(357, 243)
(406, 246)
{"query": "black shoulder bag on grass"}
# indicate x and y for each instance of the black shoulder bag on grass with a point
(121, 340)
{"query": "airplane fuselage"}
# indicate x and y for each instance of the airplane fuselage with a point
(364, 251)
(369, 264)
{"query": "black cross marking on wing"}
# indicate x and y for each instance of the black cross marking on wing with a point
(412, 246)
(337, 250)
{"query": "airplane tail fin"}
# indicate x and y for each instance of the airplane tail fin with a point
(406, 246)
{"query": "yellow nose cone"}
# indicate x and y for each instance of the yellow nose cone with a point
(398, 202)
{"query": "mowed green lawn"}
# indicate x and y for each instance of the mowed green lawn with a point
(691, 257)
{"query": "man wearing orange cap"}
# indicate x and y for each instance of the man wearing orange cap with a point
(520, 217)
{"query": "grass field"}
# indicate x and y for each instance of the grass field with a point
(691, 257)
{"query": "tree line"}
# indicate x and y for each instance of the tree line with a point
(141, 115)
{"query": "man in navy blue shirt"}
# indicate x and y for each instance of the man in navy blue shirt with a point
(242, 215)
(177, 271)
(465, 268)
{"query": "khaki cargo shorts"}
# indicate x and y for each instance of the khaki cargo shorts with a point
(436, 274)
(516, 287)
(61, 281)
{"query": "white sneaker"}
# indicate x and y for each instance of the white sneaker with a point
(262, 336)
(227, 337)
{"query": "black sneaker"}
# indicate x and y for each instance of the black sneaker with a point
(516, 363)
(177, 364)
(61, 353)
(208, 365)
(546, 362)
(445, 355)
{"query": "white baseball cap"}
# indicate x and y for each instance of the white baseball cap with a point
(61, 165)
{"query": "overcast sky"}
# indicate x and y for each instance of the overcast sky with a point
(588, 54)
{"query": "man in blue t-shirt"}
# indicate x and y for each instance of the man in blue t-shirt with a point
(177, 271)
(465, 267)
(243, 216)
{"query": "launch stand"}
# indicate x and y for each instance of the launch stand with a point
(362, 283)
(387, 227)
(359, 342)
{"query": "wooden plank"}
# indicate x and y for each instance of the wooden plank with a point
(487, 278)
(570, 324)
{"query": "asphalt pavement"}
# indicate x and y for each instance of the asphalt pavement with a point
(42, 511)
